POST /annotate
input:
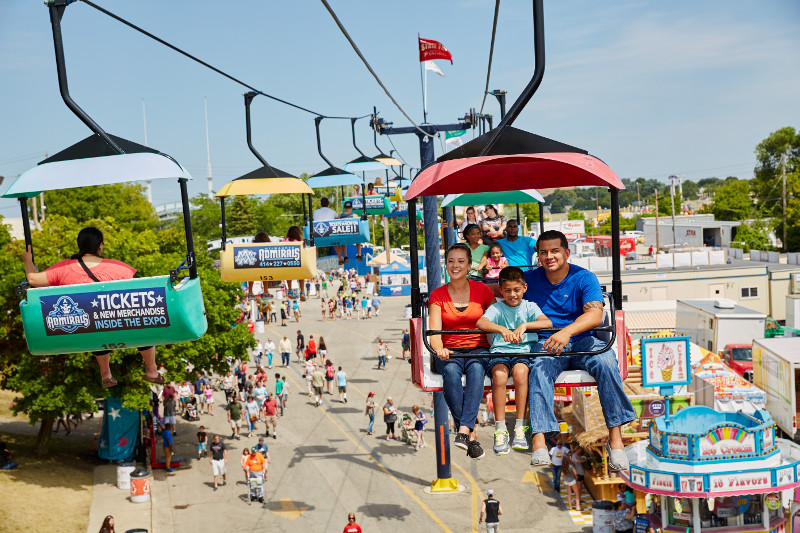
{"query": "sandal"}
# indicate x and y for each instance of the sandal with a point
(158, 380)
(108, 383)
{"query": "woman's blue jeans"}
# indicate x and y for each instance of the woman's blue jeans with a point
(269, 358)
(381, 361)
(251, 426)
(371, 422)
(463, 400)
(603, 367)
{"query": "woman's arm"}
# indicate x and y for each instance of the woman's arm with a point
(435, 322)
(35, 278)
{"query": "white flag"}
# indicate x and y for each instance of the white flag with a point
(453, 142)
(430, 65)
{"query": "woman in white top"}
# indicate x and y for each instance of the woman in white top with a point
(470, 217)
(184, 392)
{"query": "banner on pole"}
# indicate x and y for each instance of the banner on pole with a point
(430, 49)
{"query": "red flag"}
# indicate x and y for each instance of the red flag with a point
(430, 49)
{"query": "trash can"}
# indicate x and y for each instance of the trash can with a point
(140, 486)
(602, 516)
(408, 311)
(124, 469)
(259, 326)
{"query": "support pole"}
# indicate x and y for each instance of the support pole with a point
(658, 234)
(541, 219)
(187, 226)
(224, 229)
(26, 223)
(616, 274)
(414, 258)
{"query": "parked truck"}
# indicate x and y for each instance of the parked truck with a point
(715, 323)
(776, 370)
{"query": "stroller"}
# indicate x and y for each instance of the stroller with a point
(255, 486)
(407, 433)
(190, 413)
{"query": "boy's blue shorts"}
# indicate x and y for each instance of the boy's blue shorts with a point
(508, 361)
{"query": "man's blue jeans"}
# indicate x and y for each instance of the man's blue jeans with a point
(463, 401)
(285, 358)
(557, 478)
(544, 371)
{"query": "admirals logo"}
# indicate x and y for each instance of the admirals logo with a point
(67, 316)
(321, 229)
(245, 257)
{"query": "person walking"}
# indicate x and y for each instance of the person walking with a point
(317, 383)
(351, 526)
(381, 354)
(218, 460)
(279, 385)
(270, 349)
(258, 352)
(285, 394)
(330, 373)
(406, 344)
(341, 383)
(571, 481)
(311, 349)
(324, 306)
(376, 304)
(419, 426)
(166, 434)
(286, 348)
(578, 460)
(389, 417)
(322, 349)
(370, 412)
(252, 410)
(492, 510)
(271, 415)
(234, 409)
(300, 348)
(557, 454)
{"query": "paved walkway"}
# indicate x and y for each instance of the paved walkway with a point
(324, 465)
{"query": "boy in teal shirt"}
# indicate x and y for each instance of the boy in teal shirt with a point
(510, 321)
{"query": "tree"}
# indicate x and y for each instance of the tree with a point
(126, 202)
(767, 184)
(574, 214)
(732, 201)
(51, 386)
(753, 236)
(240, 216)
(206, 218)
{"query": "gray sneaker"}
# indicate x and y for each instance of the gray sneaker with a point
(617, 460)
(520, 441)
(501, 443)
(540, 457)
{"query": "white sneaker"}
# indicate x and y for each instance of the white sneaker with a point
(540, 457)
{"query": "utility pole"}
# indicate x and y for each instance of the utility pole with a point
(783, 179)
(672, 179)
(658, 240)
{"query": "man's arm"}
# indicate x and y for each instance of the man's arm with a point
(499, 509)
(483, 511)
(591, 318)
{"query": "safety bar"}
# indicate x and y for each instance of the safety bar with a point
(612, 328)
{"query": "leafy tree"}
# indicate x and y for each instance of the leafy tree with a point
(51, 386)
(127, 202)
(767, 184)
(206, 218)
(732, 201)
(755, 236)
(240, 216)
(574, 214)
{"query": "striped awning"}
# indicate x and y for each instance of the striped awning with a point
(649, 320)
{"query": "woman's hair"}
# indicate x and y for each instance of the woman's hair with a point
(370, 186)
(460, 246)
(415, 409)
(322, 343)
(493, 208)
(294, 233)
(328, 362)
(89, 241)
(107, 527)
(261, 237)
(468, 228)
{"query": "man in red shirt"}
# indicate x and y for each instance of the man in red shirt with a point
(351, 526)
(271, 415)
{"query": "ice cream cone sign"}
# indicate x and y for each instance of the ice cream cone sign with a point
(665, 361)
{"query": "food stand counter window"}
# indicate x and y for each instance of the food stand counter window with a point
(729, 512)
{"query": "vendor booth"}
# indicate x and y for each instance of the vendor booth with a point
(395, 279)
(716, 471)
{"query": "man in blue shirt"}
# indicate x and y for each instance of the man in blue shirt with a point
(571, 298)
(518, 250)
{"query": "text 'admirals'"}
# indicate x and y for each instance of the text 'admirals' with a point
(92, 312)
(267, 256)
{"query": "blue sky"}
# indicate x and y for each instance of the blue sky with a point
(651, 88)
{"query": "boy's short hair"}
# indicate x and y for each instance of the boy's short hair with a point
(511, 273)
(552, 235)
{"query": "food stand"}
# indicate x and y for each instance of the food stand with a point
(716, 471)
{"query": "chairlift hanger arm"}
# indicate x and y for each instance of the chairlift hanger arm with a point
(248, 99)
(317, 120)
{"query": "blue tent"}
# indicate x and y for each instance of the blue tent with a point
(396, 279)
(119, 432)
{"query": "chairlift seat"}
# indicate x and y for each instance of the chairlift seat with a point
(424, 378)
(112, 315)
(265, 261)
(376, 205)
(337, 232)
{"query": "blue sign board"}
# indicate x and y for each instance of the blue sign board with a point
(332, 228)
(91, 312)
(271, 256)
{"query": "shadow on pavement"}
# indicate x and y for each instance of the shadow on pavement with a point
(300, 452)
(342, 410)
(362, 380)
(380, 511)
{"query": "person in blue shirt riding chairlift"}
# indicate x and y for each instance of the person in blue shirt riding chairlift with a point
(348, 213)
(571, 298)
(519, 250)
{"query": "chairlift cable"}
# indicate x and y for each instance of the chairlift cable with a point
(366, 64)
(207, 65)
(491, 53)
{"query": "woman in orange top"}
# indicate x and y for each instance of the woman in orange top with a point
(88, 266)
(458, 306)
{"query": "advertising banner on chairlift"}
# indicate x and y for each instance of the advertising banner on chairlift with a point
(267, 256)
(374, 203)
(330, 228)
(91, 312)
